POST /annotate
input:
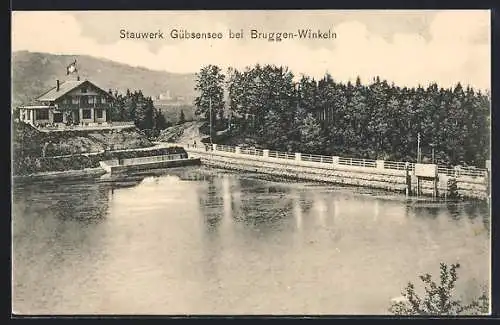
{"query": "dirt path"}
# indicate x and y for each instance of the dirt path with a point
(185, 133)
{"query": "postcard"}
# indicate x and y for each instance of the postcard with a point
(252, 162)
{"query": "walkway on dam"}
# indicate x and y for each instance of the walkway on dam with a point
(321, 161)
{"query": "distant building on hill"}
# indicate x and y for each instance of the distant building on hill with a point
(72, 102)
(165, 96)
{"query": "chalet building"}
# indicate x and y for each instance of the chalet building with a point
(72, 102)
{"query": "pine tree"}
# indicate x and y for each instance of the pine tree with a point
(375, 120)
(160, 121)
(210, 100)
(182, 118)
(311, 137)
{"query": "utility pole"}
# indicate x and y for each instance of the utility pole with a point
(418, 147)
(432, 146)
(298, 95)
(210, 113)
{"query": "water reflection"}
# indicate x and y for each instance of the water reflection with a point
(429, 212)
(212, 205)
(56, 227)
(321, 209)
(297, 211)
(453, 210)
(262, 206)
(198, 240)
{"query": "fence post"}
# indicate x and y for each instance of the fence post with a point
(214, 147)
(408, 179)
(298, 156)
(237, 150)
(265, 153)
(379, 164)
(335, 161)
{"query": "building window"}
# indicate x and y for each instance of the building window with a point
(84, 100)
(91, 100)
(74, 100)
(103, 100)
(42, 114)
(84, 90)
(58, 117)
(99, 113)
(86, 114)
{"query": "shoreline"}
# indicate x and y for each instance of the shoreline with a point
(86, 164)
(98, 171)
(393, 181)
(71, 173)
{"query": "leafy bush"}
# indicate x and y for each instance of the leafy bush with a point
(439, 298)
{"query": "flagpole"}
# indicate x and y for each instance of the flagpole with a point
(77, 72)
(70, 69)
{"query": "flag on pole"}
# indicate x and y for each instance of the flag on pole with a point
(71, 68)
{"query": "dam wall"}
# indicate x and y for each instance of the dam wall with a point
(402, 177)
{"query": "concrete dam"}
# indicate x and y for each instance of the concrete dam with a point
(403, 177)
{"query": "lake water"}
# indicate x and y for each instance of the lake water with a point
(203, 241)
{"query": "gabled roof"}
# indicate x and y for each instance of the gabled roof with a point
(64, 88)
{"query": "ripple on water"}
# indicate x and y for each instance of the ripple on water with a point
(197, 241)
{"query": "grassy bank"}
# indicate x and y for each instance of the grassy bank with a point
(28, 141)
(33, 151)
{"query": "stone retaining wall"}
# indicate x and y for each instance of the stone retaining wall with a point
(115, 169)
(59, 175)
(388, 179)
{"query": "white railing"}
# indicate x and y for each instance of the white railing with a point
(281, 155)
(225, 148)
(358, 162)
(367, 163)
(122, 123)
(398, 165)
(252, 151)
(317, 158)
(461, 171)
(150, 159)
(84, 126)
(446, 171)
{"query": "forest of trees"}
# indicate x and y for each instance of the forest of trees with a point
(378, 120)
(134, 106)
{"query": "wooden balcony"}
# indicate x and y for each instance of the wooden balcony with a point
(83, 106)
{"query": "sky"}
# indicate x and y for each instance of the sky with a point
(405, 47)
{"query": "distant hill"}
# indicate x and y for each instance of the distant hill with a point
(34, 73)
